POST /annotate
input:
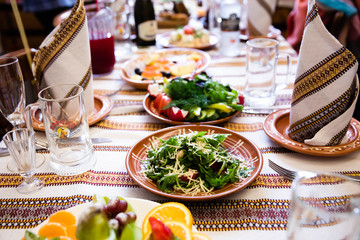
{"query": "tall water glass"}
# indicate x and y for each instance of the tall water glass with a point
(324, 206)
(262, 54)
(67, 129)
(21, 145)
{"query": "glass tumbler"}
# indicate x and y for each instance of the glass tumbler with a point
(67, 129)
(261, 60)
(324, 206)
(21, 145)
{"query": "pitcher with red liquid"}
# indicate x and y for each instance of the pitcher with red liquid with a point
(102, 44)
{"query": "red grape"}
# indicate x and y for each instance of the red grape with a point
(115, 206)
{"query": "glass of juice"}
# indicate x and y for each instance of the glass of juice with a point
(102, 43)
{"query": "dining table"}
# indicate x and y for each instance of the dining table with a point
(258, 211)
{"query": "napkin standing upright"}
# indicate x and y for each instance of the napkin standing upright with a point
(260, 13)
(64, 56)
(326, 86)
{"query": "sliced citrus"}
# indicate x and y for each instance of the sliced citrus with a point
(71, 231)
(200, 236)
(180, 230)
(171, 211)
(147, 236)
(51, 230)
(63, 217)
(66, 238)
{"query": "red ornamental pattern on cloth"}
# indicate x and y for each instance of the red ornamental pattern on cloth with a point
(221, 215)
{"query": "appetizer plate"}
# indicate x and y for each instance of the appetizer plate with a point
(102, 107)
(141, 208)
(277, 124)
(148, 104)
(129, 66)
(164, 40)
(273, 34)
(248, 150)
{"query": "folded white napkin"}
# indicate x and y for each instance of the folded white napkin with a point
(326, 86)
(260, 13)
(64, 56)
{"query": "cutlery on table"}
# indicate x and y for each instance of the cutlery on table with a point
(4, 152)
(264, 110)
(290, 174)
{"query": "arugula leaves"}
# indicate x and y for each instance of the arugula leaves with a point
(194, 163)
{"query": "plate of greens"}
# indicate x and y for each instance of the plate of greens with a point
(195, 100)
(194, 162)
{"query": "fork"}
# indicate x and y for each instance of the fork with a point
(114, 92)
(290, 175)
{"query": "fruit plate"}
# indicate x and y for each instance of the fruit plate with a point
(102, 107)
(235, 143)
(141, 207)
(148, 104)
(277, 124)
(172, 54)
(164, 40)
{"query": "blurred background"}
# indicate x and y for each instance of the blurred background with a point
(36, 31)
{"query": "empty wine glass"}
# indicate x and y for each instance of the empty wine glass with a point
(21, 145)
(12, 104)
(12, 97)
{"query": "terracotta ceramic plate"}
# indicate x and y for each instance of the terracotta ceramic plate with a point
(247, 150)
(148, 104)
(129, 66)
(141, 207)
(273, 34)
(277, 124)
(164, 40)
(102, 107)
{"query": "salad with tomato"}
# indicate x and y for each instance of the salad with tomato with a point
(195, 99)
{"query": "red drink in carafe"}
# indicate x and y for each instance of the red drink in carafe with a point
(102, 55)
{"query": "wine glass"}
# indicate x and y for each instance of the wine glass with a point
(12, 97)
(21, 145)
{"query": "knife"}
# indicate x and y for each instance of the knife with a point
(264, 110)
(4, 152)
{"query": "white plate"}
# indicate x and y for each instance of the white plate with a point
(141, 208)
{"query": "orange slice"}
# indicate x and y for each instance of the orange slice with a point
(150, 68)
(66, 238)
(179, 229)
(71, 231)
(171, 211)
(200, 236)
(151, 74)
(51, 230)
(63, 217)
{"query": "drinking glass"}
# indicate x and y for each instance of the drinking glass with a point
(262, 54)
(12, 98)
(21, 145)
(102, 43)
(324, 206)
(67, 129)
